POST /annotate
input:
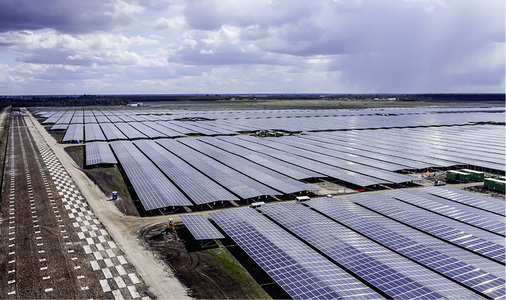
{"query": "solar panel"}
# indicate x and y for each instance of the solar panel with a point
(367, 151)
(59, 127)
(153, 188)
(199, 188)
(475, 217)
(278, 165)
(74, 133)
(298, 269)
(129, 131)
(112, 132)
(200, 227)
(390, 273)
(456, 233)
(93, 133)
(148, 131)
(305, 162)
(373, 226)
(232, 180)
(347, 154)
(339, 159)
(176, 127)
(490, 204)
(99, 153)
(166, 131)
(268, 177)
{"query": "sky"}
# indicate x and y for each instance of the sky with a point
(251, 46)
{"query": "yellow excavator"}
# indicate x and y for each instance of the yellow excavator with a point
(170, 224)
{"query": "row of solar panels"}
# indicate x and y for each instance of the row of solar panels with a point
(135, 130)
(167, 173)
(442, 146)
(246, 166)
(239, 163)
(285, 122)
(407, 245)
(143, 114)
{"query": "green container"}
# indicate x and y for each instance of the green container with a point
(475, 175)
(458, 176)
(494, 184)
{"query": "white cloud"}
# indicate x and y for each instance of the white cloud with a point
(263, 46)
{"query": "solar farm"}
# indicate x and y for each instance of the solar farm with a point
(174, 165)
(387, 234)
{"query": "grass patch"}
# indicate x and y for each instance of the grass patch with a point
(226, 263)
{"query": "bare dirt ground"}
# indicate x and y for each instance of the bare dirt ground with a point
(209, 274)
(123, 229)
(41, 258)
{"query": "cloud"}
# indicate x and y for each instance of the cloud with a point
(258, 46)
(50, 47)
(68, 16)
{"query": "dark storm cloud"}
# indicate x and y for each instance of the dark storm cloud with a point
(416, 45)
(68, 16)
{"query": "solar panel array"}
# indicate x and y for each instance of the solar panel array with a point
(489, 204)
(298, 269)
(248, 167)
(200, 227)
(390, 273)
(468, 215)
(262, 174)
(305, 162)
(152, 187)
(99, 153)
(454, 232)
(236, 182)
(93, 133)
(479, 274)
(199, 188)
(74, 133)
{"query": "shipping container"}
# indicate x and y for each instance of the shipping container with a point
(494, 184)
(475, 175)
(458, 176)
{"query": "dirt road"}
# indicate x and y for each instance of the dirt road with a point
(123, 229)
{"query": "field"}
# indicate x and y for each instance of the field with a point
(377, 165)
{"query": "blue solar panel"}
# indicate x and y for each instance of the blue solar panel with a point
(472, 216)
(299, 270)
(200, 227)
(199, 188)
(270, 162)
(165, 130)
(93, 133)
(262, 174)
(322, 168)
(153, 188)
(148, 131)
(373, 226)
(112, 132)
(99, 153)
(453, 232)
(75, 132)
(234, 181)
(472, 199)
(129, 131)
(390, 273)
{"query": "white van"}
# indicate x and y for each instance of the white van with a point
(302, 199)
(257, 205)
